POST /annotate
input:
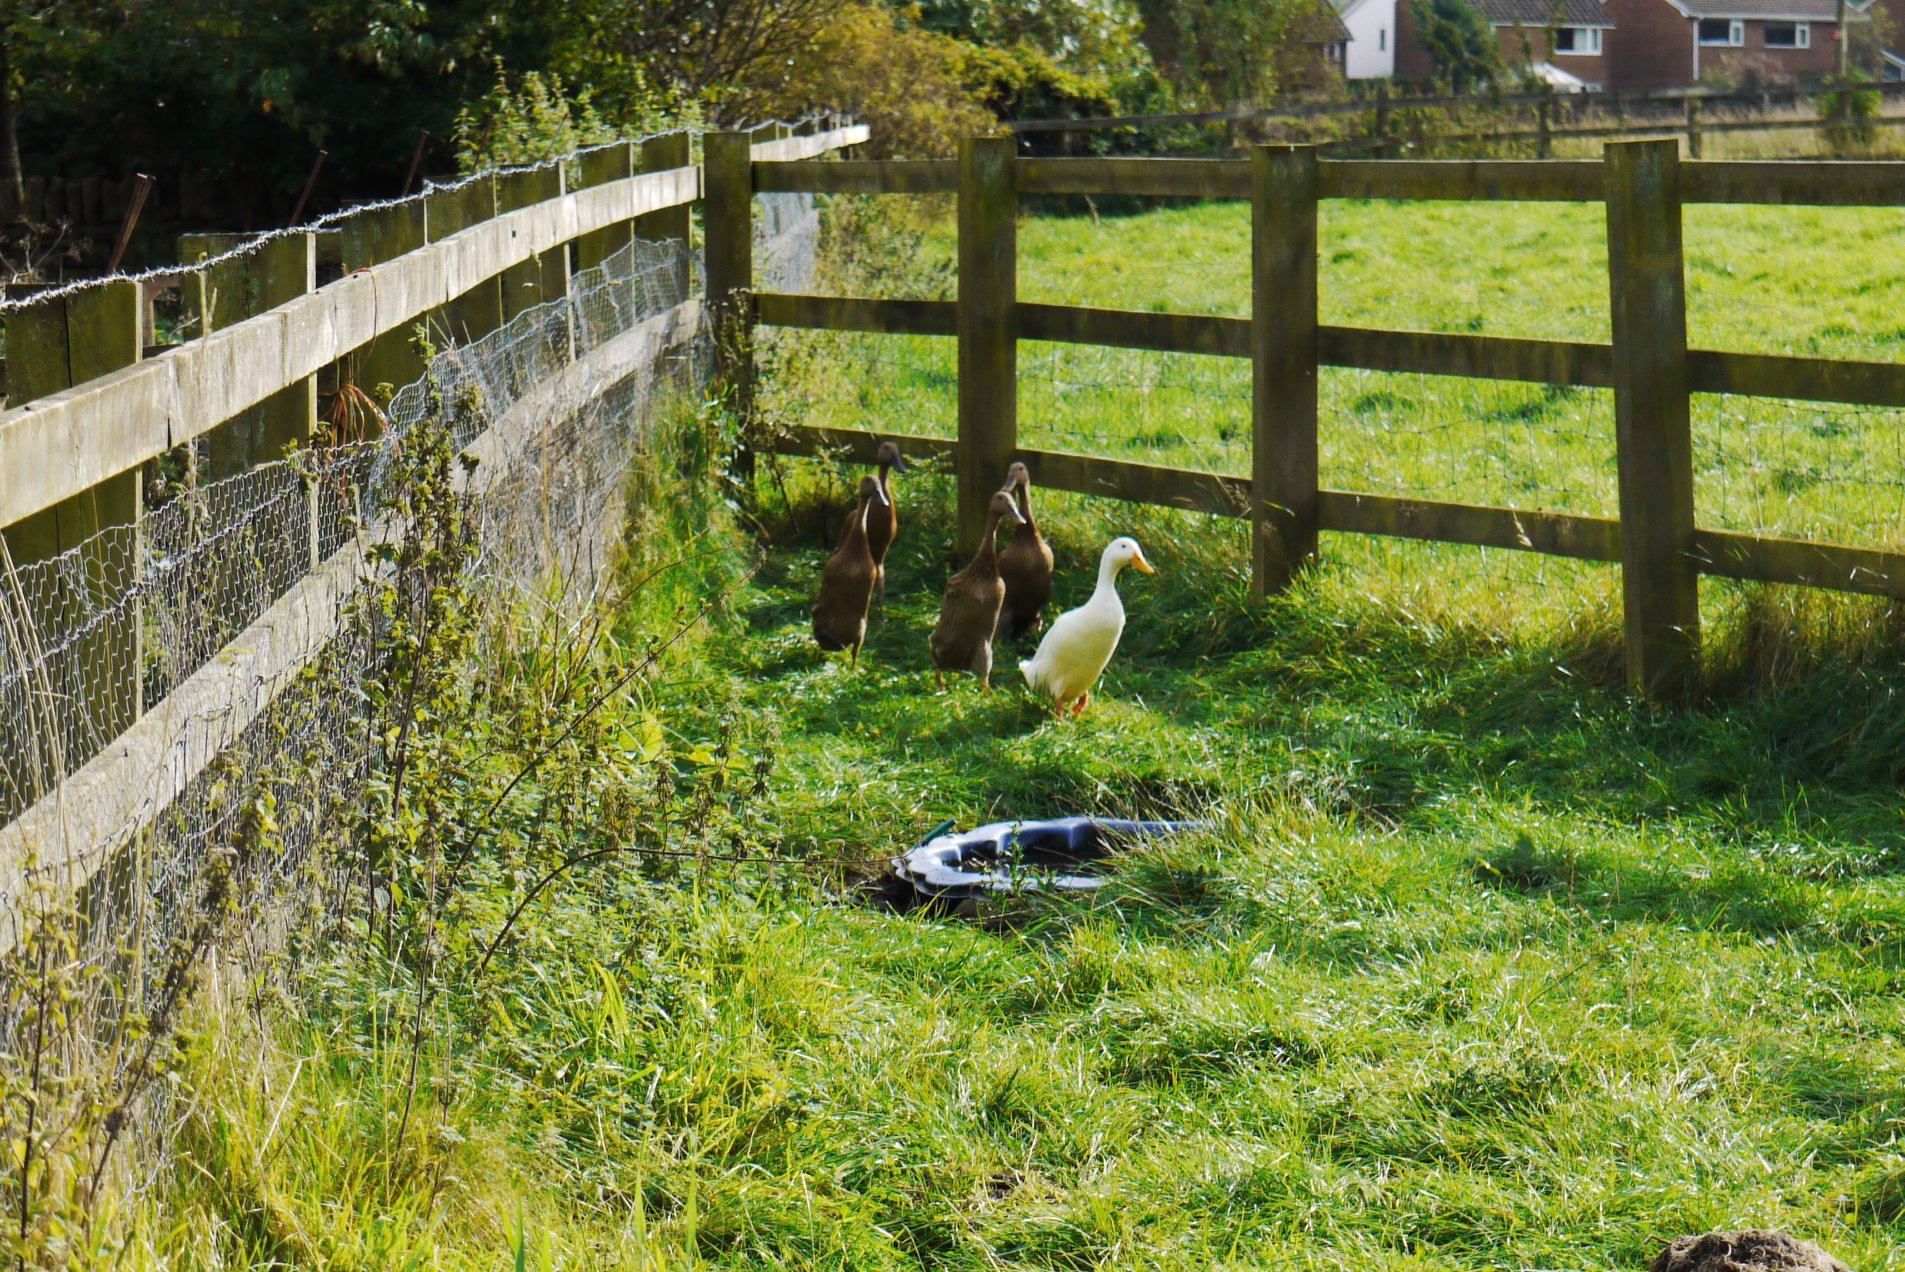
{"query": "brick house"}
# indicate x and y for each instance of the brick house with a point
(1677, 43)
(1637, 44)
(1574, 36)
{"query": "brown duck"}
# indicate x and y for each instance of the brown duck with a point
(969, 611)
(846, 584)
(1025, 565)
(883, 521)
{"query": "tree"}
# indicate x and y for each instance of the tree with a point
(1227, 52)
(1459, 40)
(731, 55)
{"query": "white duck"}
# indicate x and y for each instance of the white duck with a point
(1079, 644)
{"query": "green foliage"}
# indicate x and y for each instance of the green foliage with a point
(1459, 41)
(1226, 52)
(527, 118)
(1020, 82)
(910, 85)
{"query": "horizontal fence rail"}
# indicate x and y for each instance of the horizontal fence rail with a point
(1661, 552)
(67, 442)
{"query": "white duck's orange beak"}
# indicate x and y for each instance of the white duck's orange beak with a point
(1144, 566)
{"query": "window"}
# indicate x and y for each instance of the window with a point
(1581, 41)
(1789, 35)
(1722, 32)
(1382, 40)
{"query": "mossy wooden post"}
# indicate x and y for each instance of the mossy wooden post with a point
(613, 162)
(660, 154)
(98, 678)
(1659, 577)
(1283, 464)
(987, 323)
(1693, 128)
(478, 311)
(727, 221)
(370, 238)
(546, 277)
(229, 292)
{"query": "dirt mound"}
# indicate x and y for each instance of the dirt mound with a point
(1749, 1250)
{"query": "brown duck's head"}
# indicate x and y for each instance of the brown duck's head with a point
(1004, 506)
(871, 492)
(1017, 477)
(889, 457)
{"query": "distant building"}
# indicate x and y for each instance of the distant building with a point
(1370, 52)
(1678, 43)
(1571, 37)
(1575, 44)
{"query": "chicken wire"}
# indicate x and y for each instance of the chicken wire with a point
(131, 623)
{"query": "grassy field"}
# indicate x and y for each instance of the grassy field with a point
(1809, 281)
(1481, 967)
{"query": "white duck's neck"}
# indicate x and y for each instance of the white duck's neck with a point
(1108, 569)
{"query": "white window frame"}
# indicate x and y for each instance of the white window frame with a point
(1587, 42)
(1735, 33)
(1802, 35)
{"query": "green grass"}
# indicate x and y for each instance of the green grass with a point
(1818, 282)
(1482, 966)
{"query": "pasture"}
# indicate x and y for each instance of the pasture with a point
(1483, 965)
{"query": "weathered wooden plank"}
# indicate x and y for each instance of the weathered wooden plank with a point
(1483, 357)
(1553, 533)
(1653, 432)
(602, 166)
(1803, 379)
(857, 313)
(859, 176)
(1138, 483)
(1283, 380)
(1164, 178)
(1868, 571)
(1812, 182)
(1535, 180)
(1131, 329)
(807, 145)
(676, 224)
(987, 327)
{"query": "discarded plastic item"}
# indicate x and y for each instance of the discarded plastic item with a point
(1029, 856)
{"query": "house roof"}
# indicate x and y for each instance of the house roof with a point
(1546, 13)
(1789, 10)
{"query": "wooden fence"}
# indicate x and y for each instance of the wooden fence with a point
(89, 409)
(1656, 539)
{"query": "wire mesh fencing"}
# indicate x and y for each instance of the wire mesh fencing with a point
(184, 741)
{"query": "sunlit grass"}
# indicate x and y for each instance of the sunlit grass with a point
(1480, 965)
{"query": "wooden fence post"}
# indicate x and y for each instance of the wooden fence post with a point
(478, 311)
(229, 292)
(1544, 125)
(1283, 448)
(659, 154)
(371, 238)
(545, 277)
(1659, 578)
(612, 162)
(99, 681)
(1693, 128)
(727, 222)
(987, 327)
